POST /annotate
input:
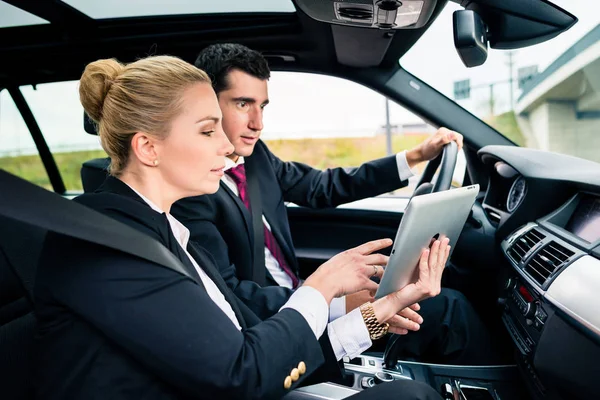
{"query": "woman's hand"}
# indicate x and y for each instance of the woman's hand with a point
(431, 266)
(350, 271)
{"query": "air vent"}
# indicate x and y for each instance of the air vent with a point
(354, 12)
(547, 261)
(493, 216)
(522, 245)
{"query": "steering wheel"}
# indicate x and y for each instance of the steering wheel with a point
(447, 162)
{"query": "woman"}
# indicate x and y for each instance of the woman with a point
(113, 326)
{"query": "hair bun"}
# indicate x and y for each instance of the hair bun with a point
(95, 83)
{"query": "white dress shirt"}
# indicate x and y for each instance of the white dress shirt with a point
(347, 332)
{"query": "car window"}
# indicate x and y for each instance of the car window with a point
(325, 122)
(18, 154)
(543, 96)
(58, 112)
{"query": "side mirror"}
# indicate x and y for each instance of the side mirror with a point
(470, 37)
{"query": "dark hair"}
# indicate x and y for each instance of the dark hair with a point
(218, 60)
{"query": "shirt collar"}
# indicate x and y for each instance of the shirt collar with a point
(229, 163)
(181, 233)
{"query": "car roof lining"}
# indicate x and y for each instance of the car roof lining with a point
(59, 50)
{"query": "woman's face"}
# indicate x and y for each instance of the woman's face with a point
(192, 156)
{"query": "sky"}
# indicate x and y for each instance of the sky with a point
(305, 105)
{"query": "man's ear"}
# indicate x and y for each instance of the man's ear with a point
(143, 147)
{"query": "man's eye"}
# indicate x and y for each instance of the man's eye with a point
(242, 104)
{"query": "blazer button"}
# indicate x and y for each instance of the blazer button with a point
(302, 368)
(295, 374)
(287, 383)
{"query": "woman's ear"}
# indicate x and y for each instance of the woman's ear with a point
(144, 148)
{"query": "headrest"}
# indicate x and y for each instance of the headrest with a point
(89, 125)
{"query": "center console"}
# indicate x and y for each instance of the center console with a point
(544, 255)
(453, 382)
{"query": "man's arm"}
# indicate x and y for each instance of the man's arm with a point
(198, 214)
(310, 187)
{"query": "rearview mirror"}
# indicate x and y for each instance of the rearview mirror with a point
(470, 37)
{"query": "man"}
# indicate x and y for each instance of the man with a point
(244, 225)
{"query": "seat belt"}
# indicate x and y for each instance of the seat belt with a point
(259, 269)
(25, 202)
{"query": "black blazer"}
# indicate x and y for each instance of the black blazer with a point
(223, 225)
(111, 325)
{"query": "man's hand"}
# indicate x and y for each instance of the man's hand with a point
(406, 320)
(432, 147)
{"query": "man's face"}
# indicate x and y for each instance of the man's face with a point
(242, 106)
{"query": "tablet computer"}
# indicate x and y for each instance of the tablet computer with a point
(427, 217)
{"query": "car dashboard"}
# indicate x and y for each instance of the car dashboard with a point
(545, 208)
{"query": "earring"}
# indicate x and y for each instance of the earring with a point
(155, 163)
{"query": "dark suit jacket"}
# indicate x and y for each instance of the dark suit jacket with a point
(223, 225)
(115, 326)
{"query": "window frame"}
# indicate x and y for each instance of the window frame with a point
(44, 152)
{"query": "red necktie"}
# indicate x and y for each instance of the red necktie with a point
(238, 174)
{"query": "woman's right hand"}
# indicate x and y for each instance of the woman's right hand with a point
(431, 266)
(350, 271)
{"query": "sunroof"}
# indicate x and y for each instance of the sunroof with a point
(12, 16)
(141, 8)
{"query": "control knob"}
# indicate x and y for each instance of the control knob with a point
(381, 377)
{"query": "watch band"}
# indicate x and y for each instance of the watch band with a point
(376, 330)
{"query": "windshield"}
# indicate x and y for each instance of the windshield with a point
(139, 8)
(545, 96)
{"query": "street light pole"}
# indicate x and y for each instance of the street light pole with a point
(511, 63)
(388, 128)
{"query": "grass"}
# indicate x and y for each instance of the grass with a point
(32, 169)
(340, 152)
(506, 124)
(319, 153)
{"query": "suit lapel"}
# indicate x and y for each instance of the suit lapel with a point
(176, 249)
(160, 224)
(258, 253)
(242, 209)
(207, 265)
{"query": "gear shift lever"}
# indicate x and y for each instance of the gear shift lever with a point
(390, 355)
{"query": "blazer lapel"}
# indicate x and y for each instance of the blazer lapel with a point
(160, 223)
(164, 229)
(246, 217)
(207, 265)
(176, 249)
(257, 227)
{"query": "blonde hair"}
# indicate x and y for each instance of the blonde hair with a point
(144, 96)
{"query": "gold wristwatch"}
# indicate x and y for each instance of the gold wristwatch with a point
(376, 330)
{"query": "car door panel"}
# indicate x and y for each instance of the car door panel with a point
(319, 234)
